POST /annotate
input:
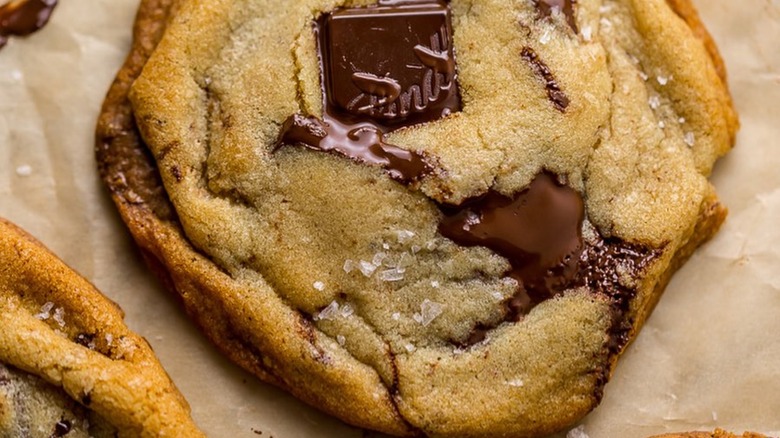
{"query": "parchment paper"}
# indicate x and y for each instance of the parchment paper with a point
(708, 357)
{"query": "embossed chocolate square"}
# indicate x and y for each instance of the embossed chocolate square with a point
(392, 64)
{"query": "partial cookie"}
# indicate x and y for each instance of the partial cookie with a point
(717, 434)
(68, 364)
(452, 227)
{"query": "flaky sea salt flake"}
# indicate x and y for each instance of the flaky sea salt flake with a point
(435, 284)
(690, 139)
(517, 383)
(349, 266)
(347, 311)
(59, 316)
(24, 170)
(404, 235)
(587, 33)
(366, 268)
(329, 312)
(45, 312)
(379, 258)
(428, 312)
(395, 274)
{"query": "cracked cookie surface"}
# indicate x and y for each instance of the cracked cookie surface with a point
(68, 364)
(325, 276)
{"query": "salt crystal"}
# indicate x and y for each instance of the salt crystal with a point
(431, 245)
(24, 170)
(59, 316)
(341, 340)
(395, 274)
(681, 120)
(410, 348)
(435, 284)
(662, 80)
(379, 258)
(546, 36)
(690, 139)
(44, 314)
(366, 268)
(471, 219)
(320, 286)
(386, 245)
(644, 76)
(329, 312)
(428, 312)
(587, 33)
(517, 383)
(404, 236)
(416, 249)
(498, 296)
(109, 338)
(347, 311)
(654, 102)
(349, 266)
(396, 316)
(406, 260)
(207, 80)
(662, 124)
(577, 432)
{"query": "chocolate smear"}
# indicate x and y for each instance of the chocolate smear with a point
(554, 92)
(23, 17)
(547, 7)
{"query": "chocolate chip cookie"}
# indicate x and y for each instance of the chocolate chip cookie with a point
(423, 217)
(68, 364)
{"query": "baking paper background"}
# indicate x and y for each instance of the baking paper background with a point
(708, 357)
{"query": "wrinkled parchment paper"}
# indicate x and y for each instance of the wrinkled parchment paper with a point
(708, 357)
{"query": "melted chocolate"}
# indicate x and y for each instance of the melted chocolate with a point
(554, 92)
(383, 68)
(539, 231)
(363, 142)
(566, 7)
(21, 18)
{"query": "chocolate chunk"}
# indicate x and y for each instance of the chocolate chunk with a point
(566, 7)
(554, 92)
(21, 18)
(538, 231)
(392, 64)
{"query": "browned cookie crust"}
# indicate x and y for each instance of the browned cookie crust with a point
(68, 364)
(716, 434)
(284, 347)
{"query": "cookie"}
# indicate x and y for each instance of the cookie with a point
(68, 364)
(717, 434)
(425, 218)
